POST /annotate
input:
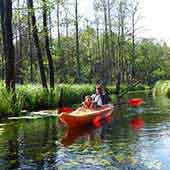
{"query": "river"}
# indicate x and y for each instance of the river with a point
(134, 139)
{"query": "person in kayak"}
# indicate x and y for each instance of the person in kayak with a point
(100, 98)
(88, 104)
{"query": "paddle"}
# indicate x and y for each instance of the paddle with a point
(135, 102)
(127, 89)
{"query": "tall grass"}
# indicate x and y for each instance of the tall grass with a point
(10, 103)
(75, 93)
(34, 97)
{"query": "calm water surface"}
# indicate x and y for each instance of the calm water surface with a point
(131, 141)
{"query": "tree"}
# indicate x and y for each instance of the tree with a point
(3, 34)
(77, 42)
(110, 5)
(8, 44)
(58, 23)
(37, 44)
(120, 45)
(30, 52)
(133, 12)
(49, 56)
(19, 48)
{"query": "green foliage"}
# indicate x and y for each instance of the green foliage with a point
(11, 104)
(37, 97)
(76, 93)
(162, 88)
(33, 97)
(111, 89)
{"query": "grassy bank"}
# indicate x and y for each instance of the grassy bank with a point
(34, 97)
(162, 88)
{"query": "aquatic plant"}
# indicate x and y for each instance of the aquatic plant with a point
(11, 104)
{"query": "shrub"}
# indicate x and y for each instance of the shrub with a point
(162, 88)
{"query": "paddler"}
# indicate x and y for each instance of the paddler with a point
(100, 98)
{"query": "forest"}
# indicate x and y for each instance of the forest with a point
(49, 42)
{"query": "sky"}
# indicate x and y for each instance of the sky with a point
(155, 20)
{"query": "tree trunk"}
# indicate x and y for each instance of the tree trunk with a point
(77, 43)
(98, 53)
(133, 48)
(10, 57)
(121, 39)
(111, 42)
(50, 60)
(61, 68)
(134, 10)
(106, 45)
(2, 60)
(19, 53)
(50, 26)
(37, 44)
(3, 36)
(58, 24)
(30, 47)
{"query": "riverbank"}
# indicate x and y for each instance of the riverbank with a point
(34, 97)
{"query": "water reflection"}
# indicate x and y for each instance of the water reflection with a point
(72, 134)
(137, 123)
(88, 132)
(130, 140)
(28, 144)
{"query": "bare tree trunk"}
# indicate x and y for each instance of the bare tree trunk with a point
(10, 57)
(134, 10)
(58, 24)
(36, 40)
(50, 60)
(133, 48)
(119, 39)
(2, 60)
(61, 68)
(77, 43)
(30, 46)
(111, 42)
(19, 56)
(3, 37)
(106, 40)
(98, 53)
(107, 70)
(50, 26)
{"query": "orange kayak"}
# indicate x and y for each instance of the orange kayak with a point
(81, 117)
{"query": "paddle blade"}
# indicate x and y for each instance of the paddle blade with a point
(135, 102)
